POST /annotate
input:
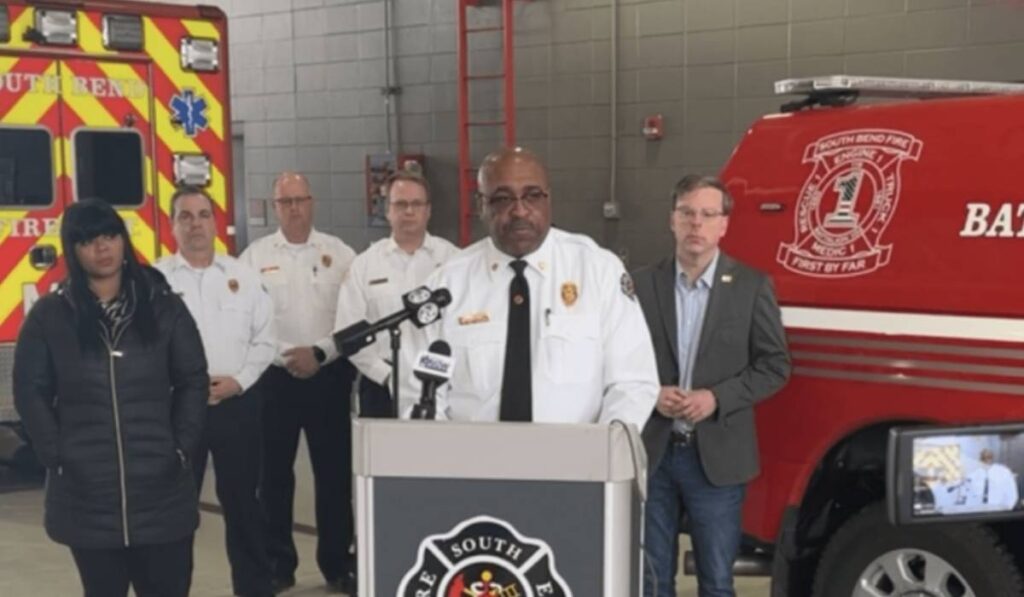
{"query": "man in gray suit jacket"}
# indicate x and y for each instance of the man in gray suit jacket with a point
(720, 348)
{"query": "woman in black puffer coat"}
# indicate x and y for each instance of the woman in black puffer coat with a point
(110, 382)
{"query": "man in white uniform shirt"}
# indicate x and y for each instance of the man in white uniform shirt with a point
(307, 387)
(543, 324)
(992, 486)
(235, 319)
(380, 276)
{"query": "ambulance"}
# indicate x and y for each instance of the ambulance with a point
(890, 214)
(114, 100)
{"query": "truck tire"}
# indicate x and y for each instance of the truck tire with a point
(869, 557)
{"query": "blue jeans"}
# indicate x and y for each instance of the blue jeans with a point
(715, 517)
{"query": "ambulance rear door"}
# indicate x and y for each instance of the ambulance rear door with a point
(109, 146)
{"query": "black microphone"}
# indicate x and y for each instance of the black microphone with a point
(422, 306)
(433, 368)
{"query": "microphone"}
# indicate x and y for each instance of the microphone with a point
(422, 306)
(433, 368)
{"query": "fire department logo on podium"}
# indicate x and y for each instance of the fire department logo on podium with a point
(847, 202)
(483, 557)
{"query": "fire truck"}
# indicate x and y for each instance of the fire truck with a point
(889, 226)
(108, 99)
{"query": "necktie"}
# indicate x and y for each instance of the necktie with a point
(516, 383)
(984, 493)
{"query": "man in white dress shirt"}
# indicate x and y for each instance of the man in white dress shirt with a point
(543, 325)
(308, 386)
(992, 486)
(235, 319)
(380, 276)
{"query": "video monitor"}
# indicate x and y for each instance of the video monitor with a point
(955, 473)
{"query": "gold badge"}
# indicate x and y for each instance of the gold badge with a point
(470, 319)
(726, 278)
(326, 260)
(570, 293)
(233, 285)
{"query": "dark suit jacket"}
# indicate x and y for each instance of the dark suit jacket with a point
(741, 357)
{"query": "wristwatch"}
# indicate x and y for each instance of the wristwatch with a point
(319, 355)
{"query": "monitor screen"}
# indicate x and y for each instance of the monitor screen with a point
(962, 473)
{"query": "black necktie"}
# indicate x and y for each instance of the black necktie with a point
(984, 495)
(516, 385)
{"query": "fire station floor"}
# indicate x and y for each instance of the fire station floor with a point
(33, 566)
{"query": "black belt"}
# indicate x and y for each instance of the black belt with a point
(682, 438)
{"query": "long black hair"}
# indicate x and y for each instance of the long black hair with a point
(83, 222)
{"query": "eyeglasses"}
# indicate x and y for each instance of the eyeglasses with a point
(690, 214)
(502, 201)
(292, 201)
(402, 205)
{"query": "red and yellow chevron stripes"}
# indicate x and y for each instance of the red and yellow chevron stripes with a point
(158, 73)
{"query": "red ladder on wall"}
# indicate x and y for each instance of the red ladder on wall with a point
(467, 170)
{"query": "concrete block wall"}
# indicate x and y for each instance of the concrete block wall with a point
(306, 78)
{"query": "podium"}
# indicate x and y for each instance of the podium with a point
(456, 509)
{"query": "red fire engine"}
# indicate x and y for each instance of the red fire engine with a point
(889, 229)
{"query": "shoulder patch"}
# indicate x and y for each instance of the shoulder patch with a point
(626, 284)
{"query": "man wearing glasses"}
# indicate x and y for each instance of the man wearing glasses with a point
(543, 324)
(380, 276)
(307, 388)
(721, 348)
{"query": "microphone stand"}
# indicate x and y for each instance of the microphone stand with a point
(396, 344)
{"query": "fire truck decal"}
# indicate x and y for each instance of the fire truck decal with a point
(847, 202)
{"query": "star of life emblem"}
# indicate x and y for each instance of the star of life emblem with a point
(189, 111)
(483, 557)
(847, 202)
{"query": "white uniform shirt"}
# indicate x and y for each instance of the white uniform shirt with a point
(233, 312)
(1001, 493)
(303, 281)
(373, 289)
(592, 356)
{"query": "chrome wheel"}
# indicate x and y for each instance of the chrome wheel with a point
(911, 573)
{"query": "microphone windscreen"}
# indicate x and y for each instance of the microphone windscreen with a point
(442, 297)
(440, 347)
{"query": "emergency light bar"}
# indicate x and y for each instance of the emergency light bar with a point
(200, 55)
(58, 27)
(893, 87)
(122, 32)
(192, 169)
(5, 24)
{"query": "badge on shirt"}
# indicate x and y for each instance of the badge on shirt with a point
(626, 284)
(233, 285)
(378, 281)
(269, 269)
(470, 319)
(570, 293)
(325, 260)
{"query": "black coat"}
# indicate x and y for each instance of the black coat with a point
(115, 428)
